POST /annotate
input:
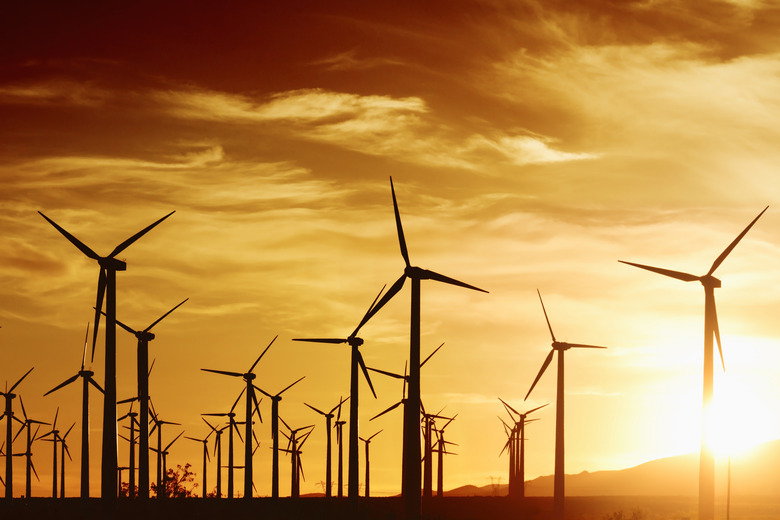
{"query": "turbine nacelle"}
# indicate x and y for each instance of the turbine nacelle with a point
(143, 335)
(710, 281)
(249, 376)
(86, 373)
(355, 341)
(113, 264)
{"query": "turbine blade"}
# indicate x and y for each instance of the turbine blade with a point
(73, 240)
(24, 413)
(539, 375)
(315, 409)
(733, 244)
(174, 440)
(431, 275)
(716, 331)
(431, 355)
(388, 296)
(101, 291)
(237, 399)
(257, 406)
(149, 373)
(685, 277)
(121, 247)
(509, 407)
(262, 392)
(368, 313)
(84, 353)
(397, 376)
(399, 226)
(64, 383)
(147, 329)
(580, 345)
(223, 372)
(289, 386)
(32, 466)
(20, 380)
(262, 354)
(94, 383)
(321, 340)
(537, 408)
(545, 315)
(365, 372)
(396, 405)
(341, 401)
(377, 433)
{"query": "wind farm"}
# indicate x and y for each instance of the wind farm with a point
(281, 159)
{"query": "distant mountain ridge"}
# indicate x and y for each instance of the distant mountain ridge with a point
(756, 473)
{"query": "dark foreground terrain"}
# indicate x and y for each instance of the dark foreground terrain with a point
(448, 508)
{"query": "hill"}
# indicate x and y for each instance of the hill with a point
(755, 473)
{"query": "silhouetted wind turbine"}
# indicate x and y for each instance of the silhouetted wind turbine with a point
(109, 265)
(411, 440)
(294, 446)
(131, 487)
(63, 450)
(87, 379)
(9, 418)
(162, 492)
(252, 407)
(55, 433)
(339, 425)
(142, 351)
(517, 450)
(275, 434)
(559, 492)
(158, 424)
(29, 466)
(427, 473)
(710, 283)
(218, 453)
(328, 416)
(205, 441)
(356, 361)
(368, 469)
(232, 425)
(442, 450)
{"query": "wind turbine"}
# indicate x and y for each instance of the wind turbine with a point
(517, 449)
(9, 418)
(133, 416)
(158, 424)
(294, 449)
(275, 434)
(63, 450)
(710, 283)
(429, 427)
(427, 467)
(442, 450)
(560, 347)
(339, 425)
(30, 467)
(109, 265)
(328, 416)
(411, 439)
(205, 442)
(218, 453)
(55, 433)
(144, 337)
(162, 491)
(368, 443)
(87, 379)
(232, 425)
(251, 401)
(356, 361)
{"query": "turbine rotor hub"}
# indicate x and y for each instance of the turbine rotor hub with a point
(710, 281)
(112, 263)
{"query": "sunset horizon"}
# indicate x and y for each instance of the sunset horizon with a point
(531, 145)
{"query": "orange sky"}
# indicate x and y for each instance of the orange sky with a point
(532, 146)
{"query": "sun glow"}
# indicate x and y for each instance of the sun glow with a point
(738, 420)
